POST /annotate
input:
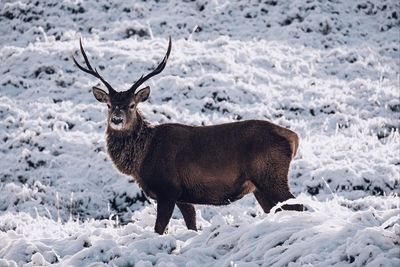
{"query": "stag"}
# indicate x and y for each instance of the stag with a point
(186, 165)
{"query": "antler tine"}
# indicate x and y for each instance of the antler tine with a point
(90, 70)
(156, 71)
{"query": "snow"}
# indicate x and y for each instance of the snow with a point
(332, 234)
(328, 70)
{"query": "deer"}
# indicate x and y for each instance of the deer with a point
(185, 165)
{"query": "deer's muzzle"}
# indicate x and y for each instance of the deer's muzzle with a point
(116, 120)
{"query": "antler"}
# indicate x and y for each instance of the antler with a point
(92, 71)
(156, 71)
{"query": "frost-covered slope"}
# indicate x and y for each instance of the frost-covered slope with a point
(333, 234)
(329, 71)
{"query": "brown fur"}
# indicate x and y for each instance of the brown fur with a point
(187, 165)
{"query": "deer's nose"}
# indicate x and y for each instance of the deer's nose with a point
(116, 120)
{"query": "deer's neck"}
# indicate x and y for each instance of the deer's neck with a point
(128, 150)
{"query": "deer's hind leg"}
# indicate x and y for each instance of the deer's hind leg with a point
(273, 187)
(282, 193)
(263, 200)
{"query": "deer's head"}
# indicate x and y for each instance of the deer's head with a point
(122, 106)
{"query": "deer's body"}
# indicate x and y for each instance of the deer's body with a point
(186, 165)
(212, 165)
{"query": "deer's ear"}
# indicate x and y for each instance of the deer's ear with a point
(142, 95)
(100, 95)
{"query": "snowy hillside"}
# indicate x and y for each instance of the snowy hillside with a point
(329, 70)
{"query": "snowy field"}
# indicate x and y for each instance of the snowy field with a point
(329, 70)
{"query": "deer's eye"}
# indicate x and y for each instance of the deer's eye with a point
(109, 106)
(132, 106)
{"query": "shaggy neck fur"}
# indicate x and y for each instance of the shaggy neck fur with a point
(128, 149)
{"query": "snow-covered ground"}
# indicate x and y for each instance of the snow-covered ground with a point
(329, 70)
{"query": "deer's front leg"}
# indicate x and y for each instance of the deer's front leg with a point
(165, 207)
(189, 215)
